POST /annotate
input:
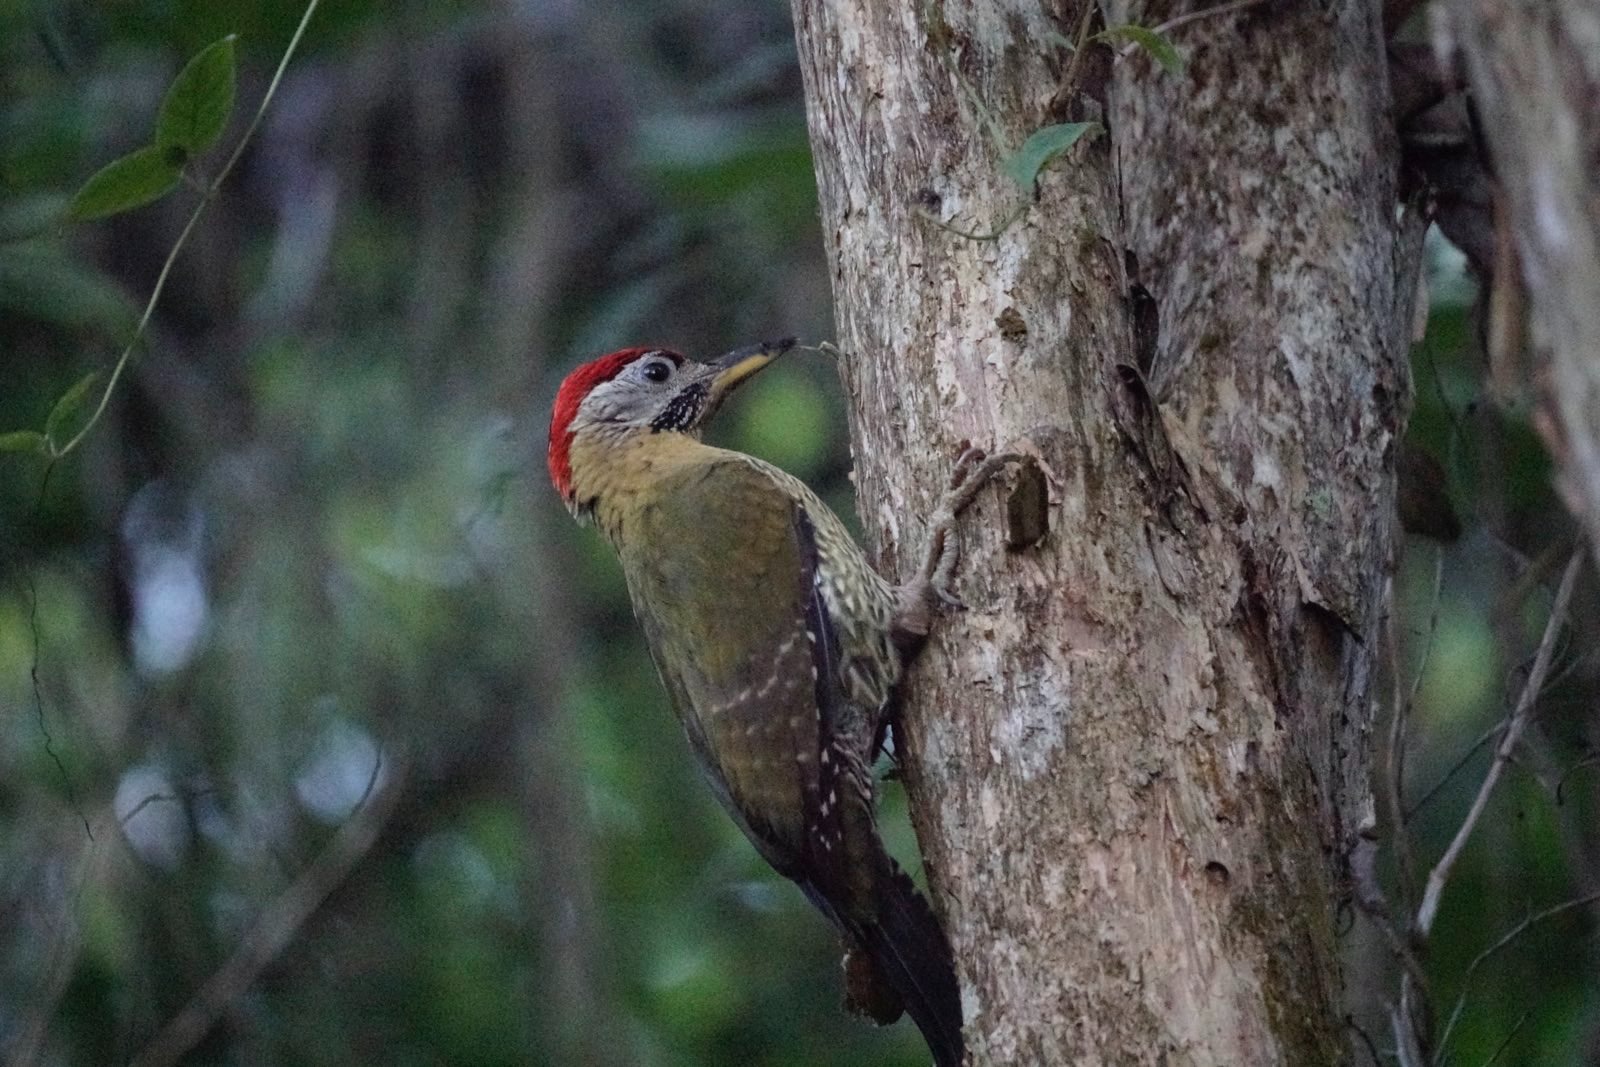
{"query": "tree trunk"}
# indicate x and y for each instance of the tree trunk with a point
(1535, 75)
(1137, 761)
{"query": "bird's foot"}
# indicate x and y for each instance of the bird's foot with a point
(931, 585)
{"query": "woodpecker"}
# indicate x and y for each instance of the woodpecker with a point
(779, 645)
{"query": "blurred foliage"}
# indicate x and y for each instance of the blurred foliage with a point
(310, 557)
(1469, 617)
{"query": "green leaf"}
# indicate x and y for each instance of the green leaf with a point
(23, 441)
(1160, 49)
(1040, 148)
(68, 405)
(197, 106)
(124, 184)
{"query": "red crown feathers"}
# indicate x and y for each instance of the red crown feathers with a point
(569, 397)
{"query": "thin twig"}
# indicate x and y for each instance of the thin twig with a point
(1505, 939)
(976, 235)
(38, 700)
(1069, 80)
(1516, 1028)
(183, 238)
(1221, 9)
(164, 798)
(1561, 783)
(1456, 430)
(1395, 794)
(1366, 1040)
(279, 922)
(1520, 715)
(1369, 898)
(22, 1046)
(152, 798)
(1533, 573)
(1406, 1048)
(1433, 626)
(991, 123)
(1455, 768)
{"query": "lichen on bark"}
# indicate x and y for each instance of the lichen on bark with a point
(1136, 760)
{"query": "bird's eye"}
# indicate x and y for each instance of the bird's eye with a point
(658, 370)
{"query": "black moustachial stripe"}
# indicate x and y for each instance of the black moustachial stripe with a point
(682, 410)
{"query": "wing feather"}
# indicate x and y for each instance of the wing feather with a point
(737, 615)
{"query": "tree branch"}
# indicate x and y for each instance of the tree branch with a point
(278, 923)
(1515, 725)
(1509, 936)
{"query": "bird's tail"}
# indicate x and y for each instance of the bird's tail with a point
(908, 950)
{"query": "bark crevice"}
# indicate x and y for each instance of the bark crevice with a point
(1137, 759)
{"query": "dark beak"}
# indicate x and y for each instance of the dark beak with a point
(741, 363)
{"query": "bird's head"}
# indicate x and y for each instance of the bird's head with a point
(643, 390)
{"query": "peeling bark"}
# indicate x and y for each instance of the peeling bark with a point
(1534, 68)
(1137, 760)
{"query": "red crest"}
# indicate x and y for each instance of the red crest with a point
(569, 397)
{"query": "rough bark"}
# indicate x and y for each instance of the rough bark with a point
(1534, 68)
(1137, 760)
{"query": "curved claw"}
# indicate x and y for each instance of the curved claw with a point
(970, 456)
(974, 468)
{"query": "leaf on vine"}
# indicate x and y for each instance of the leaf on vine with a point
(1160, 48)
(23, 441)
(199, 102)
(1040, 148)
(124, 184)
(68, 405)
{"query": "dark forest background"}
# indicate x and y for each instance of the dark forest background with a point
(322, 725)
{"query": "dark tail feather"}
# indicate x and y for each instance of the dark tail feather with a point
(910, 952)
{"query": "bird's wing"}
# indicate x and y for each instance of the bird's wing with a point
(735, 623)
(727, 582)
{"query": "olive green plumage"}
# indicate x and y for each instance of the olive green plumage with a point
(724, 610)
(773, 636)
